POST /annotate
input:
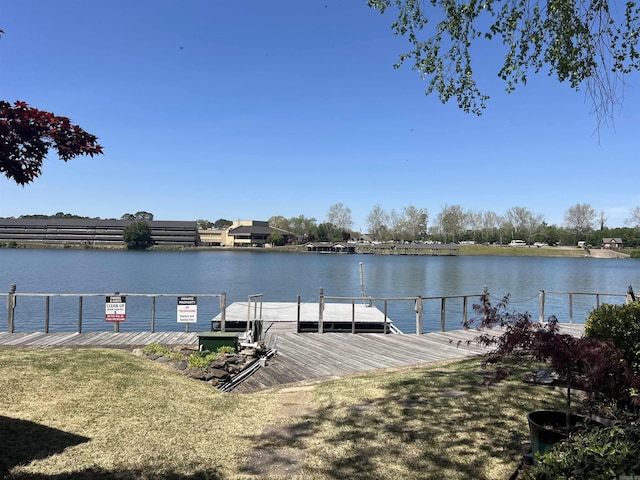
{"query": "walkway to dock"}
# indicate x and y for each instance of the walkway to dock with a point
(313, 356)
(300, 356)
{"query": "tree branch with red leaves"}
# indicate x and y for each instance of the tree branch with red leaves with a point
(27, 134)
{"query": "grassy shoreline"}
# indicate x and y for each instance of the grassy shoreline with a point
(95, 414)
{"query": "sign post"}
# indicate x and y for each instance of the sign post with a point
(187, 311)
(116, 310)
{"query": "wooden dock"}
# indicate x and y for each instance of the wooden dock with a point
(299, 356)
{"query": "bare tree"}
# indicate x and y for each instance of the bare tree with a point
(491, 222)
(523, 222)
(451, 220)
(397, 225)
(602, 219)
(634, 219)
(340, 216)
(580, 218)
(378, 222)
(475, 219)
(416, 220)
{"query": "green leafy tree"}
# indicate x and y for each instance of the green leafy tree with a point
(222, 223)
(328, 232)
(204, 224)
(590, 45)
(276, 238)
(303, 228)
(137, 236)
(137, 216)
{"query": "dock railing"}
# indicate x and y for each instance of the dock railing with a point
(585, 300)
(418, 308)
(543, 297)
(13, 302)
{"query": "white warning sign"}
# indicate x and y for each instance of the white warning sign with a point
(187, 309)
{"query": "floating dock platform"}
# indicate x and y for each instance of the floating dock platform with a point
(288, 317)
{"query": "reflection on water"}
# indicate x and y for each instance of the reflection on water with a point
(284, 276)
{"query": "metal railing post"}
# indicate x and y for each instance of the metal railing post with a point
(443, 314)
(541, 303)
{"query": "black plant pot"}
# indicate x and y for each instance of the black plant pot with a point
(547, 428)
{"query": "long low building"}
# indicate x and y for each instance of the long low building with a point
(87, 231)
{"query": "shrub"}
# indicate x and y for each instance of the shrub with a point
(156, 349)
(201, 360)
(621, 325)
(597, 453)
(226, 349)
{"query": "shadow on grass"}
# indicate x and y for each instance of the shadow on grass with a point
(22, 442)
(434, 423)
(99, 474)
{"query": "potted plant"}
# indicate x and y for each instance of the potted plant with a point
(588, 364)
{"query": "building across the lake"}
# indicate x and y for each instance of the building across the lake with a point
(88, 231)
(243, 233)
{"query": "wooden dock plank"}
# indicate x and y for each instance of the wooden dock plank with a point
(300, 356)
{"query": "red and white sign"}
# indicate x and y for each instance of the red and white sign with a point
(187, 309)
(116, 308)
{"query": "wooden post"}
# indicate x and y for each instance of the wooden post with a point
(465, 323)
(418, 316)
(46, 315)
(223, 311)
(321, 308)
(11, 306)
(80, 314)
(153, 314)
(571, 308)
(353, 316)
(541, 308)
(385, 317)
(248, 314)
(443, 313)
(298, 315)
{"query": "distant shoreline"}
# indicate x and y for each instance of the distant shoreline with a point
(464, 250)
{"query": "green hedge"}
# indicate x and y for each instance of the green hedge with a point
(621, 325)
(599, 453)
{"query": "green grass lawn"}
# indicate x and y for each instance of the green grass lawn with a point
(105, 413)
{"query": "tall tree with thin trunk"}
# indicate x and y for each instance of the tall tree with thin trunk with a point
(378, 222)
(580, 218)
(340, 216)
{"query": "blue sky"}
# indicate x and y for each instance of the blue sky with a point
(247, 109)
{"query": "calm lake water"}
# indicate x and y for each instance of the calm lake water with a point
(282, 277)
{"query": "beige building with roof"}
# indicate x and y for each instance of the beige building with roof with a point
(242, 233)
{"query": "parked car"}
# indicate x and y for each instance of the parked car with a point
(517, 243)
(540, 244)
